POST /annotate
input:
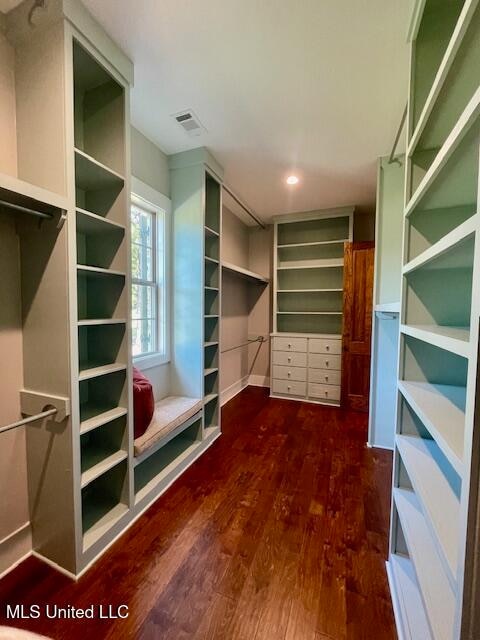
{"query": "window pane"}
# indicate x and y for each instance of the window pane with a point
(143, 336)
(142, 227)
(142, 262)
(143, 302)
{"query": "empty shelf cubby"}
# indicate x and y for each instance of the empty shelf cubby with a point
(459, 83)
(99, 244)
(211, 383)
(211, 414)
(321, 278)
(99, 116)
(295, 322)
(212, 246)
(321, 254)
(104, 502)
(310, 301)
(100, 345)
(102, 394)
(212, 271)
(312, 231)
(436, 28)
(103, 448)
(211, 357)
(425, 363)
(157, 467)
(211, 302)
(439, 294)
(100, 295)
(212, 203)
(211, 329)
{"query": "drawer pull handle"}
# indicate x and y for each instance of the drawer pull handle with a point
(326, 393)
(326, 378)
(327, 347)
(289, 345)
(289, 387)
(289, 359)
(326, 363)
(289, 373)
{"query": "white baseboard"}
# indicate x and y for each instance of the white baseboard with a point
(231, 391)
(259, 381)
(15, 548)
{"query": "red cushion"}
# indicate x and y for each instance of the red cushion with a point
(143, 403)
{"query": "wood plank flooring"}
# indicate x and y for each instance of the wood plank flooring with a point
(279, 532)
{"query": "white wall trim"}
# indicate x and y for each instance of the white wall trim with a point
(231, 391)
(259, 381)
(15, 548)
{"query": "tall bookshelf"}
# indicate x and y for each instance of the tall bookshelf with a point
(432, 565)
(308, 304)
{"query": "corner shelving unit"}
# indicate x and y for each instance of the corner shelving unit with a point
(308, 304)
(435, 492)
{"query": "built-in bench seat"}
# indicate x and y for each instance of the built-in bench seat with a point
(171, 416)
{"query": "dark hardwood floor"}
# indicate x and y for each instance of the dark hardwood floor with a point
(279, 532)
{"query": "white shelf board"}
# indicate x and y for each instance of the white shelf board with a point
(101, 321)
(244, 273)
(310, 264)
(212, 315)
(312, 244)
(309, 290)
(208, 398)
(99, 272)
(212, 260)
(437, 497)
(102, 467)
(468, 119)
(209, 372)
(28, 195)
(447, 253)
(103, 370)
(310, 313)
(451, 51)
(453, 339)
(212, 288)
(388, 307)
(103, 418)
(91, 223)
(210, 344)
(408, 607)
(436, 591)
(211, 232)
(441, 408)
(92, 175)
(103, 524)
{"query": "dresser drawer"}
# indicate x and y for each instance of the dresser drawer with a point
(324, 376)
(288, 388)
(324, 391)
(324, 345)
(321, 361)
(290, 344)
(290, 359)
(290, 373)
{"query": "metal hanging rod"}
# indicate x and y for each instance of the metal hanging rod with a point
(32, 212)
(244, 206)
(245, 344)
(20, 423)
(392, 159)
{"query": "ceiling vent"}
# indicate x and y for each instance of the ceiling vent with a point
(190, 123)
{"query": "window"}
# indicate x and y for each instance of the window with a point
(149, 282)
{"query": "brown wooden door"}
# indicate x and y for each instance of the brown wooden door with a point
(357, 324)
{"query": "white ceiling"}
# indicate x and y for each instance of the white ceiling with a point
(311, 87)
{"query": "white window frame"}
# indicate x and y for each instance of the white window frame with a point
(145, 197)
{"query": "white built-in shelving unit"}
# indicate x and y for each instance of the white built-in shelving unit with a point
(308, 304)
(433, 564)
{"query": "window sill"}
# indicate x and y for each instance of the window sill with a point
(150, 361)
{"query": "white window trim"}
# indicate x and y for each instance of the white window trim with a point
(150, 199)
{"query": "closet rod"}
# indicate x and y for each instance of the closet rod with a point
(245, 344)
(20, 423)
(17, 207)
(244, 206)
(392, 159)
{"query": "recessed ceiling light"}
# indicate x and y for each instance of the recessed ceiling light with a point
(292, 180)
